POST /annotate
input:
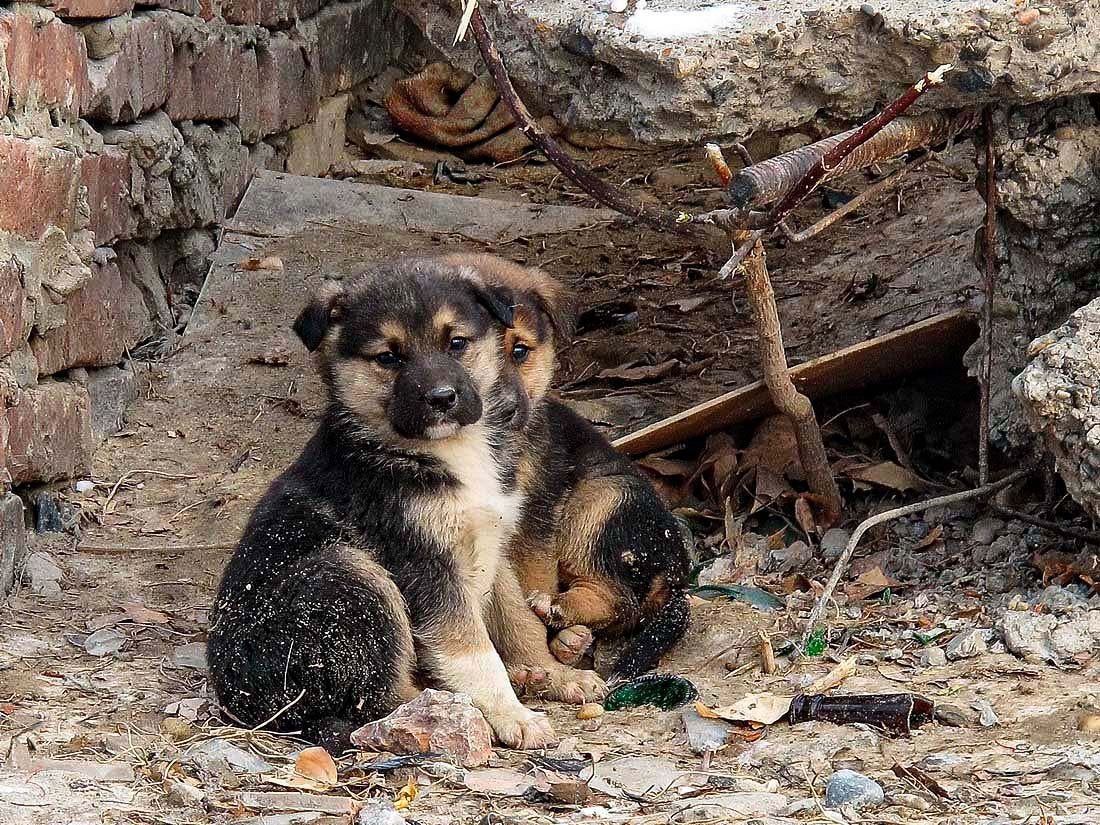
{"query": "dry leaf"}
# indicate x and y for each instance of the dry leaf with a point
(720, 458)
(887, 474)
(770, 486)
(404, 797)
(131, 612)
(270, 263)
(833, 678)
(667, 467)
(933, 536)
(762, 708)
(498, 781)
(775, 446)
(690, 304)
(804, 514)
(314, 770)
(734, 528)
(868, 584)
(274, 357)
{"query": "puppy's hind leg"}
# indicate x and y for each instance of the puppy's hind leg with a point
(328, 649)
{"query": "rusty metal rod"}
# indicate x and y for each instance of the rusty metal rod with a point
(772, 179)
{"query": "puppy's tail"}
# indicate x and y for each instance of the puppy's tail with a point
(663, 628)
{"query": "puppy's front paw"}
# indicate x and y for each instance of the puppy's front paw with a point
(575, 687)
(571, 643)
(523, 728)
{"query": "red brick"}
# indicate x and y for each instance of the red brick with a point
(205, 82)
(102, 321)
(272, 14)
(133, 81)
(108, 178)
(88, 8)
(13, 294)
(40, 186)
(49, 433)
(289, 85)
(47, 62)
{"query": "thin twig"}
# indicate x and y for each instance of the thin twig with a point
(104, 549)
(989, 285)
(584, 178)
(279, 712)
(890, 515)
(869, 194)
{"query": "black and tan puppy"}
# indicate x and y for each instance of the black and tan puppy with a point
(379, 557)
(595, 550)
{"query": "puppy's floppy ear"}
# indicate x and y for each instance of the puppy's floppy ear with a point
(551, 304)
(324, 308)
(496, 300)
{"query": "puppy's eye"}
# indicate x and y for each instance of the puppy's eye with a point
(459, 344)
(388, 359)
(520, 353)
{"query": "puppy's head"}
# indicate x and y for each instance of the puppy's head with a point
(540, 323)
(410, 349)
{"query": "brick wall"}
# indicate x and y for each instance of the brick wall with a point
(127, 133)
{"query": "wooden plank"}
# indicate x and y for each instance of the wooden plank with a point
(912, 349)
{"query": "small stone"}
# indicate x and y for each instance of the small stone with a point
(985, 530)
(987, 717)
(1089, 723)
(45, 576)
(893, 654)
(968, 644)
(704, 734)
(590, 710)
(217, 756)
(618, 6)
(379, 812)
(104, 642)
(910, 801)
(794, 557)
(184, 795)
(591, 725)
(932, 657)
(84, 486)
(833, 543)
(1028, 17)
(850, 788)
(955, 716)
(191, 656)
(1065, 133)
(435, 721)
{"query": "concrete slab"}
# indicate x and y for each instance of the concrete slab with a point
(685, 70)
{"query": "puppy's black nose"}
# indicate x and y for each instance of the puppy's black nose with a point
(443, 399)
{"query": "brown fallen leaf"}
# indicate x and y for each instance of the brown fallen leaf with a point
(933, 536)
(498, 782)
(269, 263)
(804, 515)
(868, 584)
(718, 464)
(667, 467)
(887, 474)
(1065, 568)
(775, 446)
(762, 708)
(314, 770)
(770, 487)
(131, 612)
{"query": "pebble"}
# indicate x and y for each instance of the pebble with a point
(850, 788)
(833, 543)
(987, 717)
(986, 530)
(955, 716)
(932, 657)
(84, 486)
(704, 734)
(379, 812)
(910, 801)
(1028, 17)
(45, 576)
(217, 755)
(591, 710)
(967, 645)
(618, 6)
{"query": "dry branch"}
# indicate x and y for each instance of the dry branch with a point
(595, 186)
(909, 509)
(788, 400)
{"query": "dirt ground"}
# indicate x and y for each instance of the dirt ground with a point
(118, 727)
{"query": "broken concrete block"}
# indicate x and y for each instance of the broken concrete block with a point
(434, 722)
(1060, 393)
(317, 147)
(110, 392)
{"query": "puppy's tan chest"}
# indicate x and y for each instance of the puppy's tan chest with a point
(475, 518)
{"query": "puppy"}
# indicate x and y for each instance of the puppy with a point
(379, 558)
(595, 549)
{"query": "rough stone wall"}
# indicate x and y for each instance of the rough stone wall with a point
(1048, 189)
(127, 133)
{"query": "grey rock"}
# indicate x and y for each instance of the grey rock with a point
(987, 716)
(850, 788)
(217, 756)
(1060, 601)
(13, 541)
(379, 812)
(955, 716)
(104, 642)
(968, 644)
(985, 530)
(704, 734)
(793, 557)
(1027, 634)
(44, 575)
(932, 657)
(191, 655)
(833, 543)
(110, 391)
